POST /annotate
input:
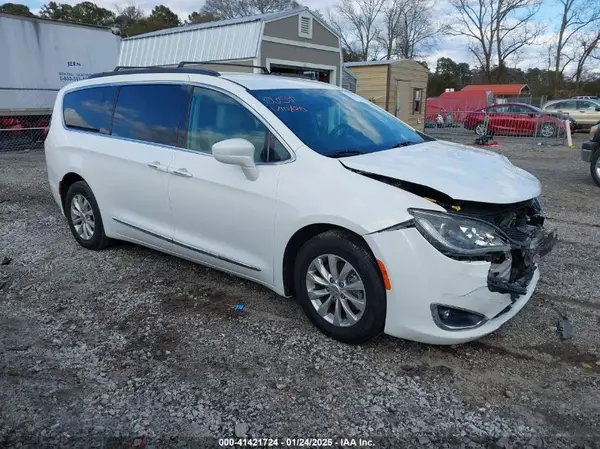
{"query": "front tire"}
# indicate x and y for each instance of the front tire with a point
(480, 129)
(340, 287)
(595, 167)
(83, 216)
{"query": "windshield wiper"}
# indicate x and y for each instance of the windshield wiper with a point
(344, 153)
(404, 143)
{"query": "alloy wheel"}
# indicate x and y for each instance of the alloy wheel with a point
(548, 130)
(336, 290)
(82, 217)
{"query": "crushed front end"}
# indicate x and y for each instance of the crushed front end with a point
(522, 224)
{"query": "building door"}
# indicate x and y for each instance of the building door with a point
(402, 100)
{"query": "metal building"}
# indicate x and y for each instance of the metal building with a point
(349, 80)
(293, 42)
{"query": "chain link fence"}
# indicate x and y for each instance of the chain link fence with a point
(24, 117)
(478, 128)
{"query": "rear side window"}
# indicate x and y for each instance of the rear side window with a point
(151, 112)
(89, 109)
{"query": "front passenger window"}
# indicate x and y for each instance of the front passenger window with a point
(214, 117)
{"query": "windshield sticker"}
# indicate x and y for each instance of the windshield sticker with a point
(279, 100)
(291, 108)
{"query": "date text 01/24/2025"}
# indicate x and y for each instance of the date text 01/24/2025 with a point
(295, 442)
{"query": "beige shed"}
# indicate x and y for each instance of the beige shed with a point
(399, 87)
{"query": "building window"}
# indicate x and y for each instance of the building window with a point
(305, 26)
(417, 101)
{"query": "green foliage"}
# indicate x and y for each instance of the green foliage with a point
(201, 17)
(16, 9)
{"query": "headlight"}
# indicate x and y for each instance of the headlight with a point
(536, 205)
(453, 234)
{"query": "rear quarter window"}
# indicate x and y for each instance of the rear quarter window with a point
(89, 109)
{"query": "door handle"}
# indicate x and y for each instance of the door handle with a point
(157, 166)
(181, 172)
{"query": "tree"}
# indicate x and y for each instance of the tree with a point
(415, 31)
(56, 11)
(16, 9)
(449, 74)
(357, 20)
(576, 15)
(588, 42)
(230, 9)
(391, 12)
(89, 13)
(128, 18)
(84, 12)
(163, 17)
(351, 55)
(497, 30)
(200, 17)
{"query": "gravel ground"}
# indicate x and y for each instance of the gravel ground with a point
(129, 347)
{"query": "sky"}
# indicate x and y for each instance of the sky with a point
(455, 48)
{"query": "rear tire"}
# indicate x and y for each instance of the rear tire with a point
(548, 130)
(356, 309)
(595, 167)
(83, 216)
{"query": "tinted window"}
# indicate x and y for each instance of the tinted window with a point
(332, 120)
(499, 109)
(89, 109)
(214, 117)
(518, 109)
(587, 105)
(150, 112)
(567, 105)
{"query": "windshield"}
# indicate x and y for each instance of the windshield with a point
(337, 123)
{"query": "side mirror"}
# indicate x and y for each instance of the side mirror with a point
(237, 152)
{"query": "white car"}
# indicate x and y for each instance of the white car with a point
(305, 188)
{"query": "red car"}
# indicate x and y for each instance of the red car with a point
(517, 119)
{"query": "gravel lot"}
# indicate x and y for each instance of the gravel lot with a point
(127, 346)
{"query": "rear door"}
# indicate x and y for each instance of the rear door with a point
(146, 126)
(586, 112)
(524, 120)
(498, 119)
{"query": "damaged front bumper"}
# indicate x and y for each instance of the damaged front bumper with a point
(514, 273)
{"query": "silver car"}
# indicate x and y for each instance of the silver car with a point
(585, 112)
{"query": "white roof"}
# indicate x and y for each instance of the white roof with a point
(261, 82)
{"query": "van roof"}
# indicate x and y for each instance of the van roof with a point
(251, 81)
(254, 81)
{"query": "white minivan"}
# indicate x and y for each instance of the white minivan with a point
(305, 188)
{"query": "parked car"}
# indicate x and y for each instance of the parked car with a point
(515, 119)
(590, 152)
(586, 97)
(585, 112)
(305, 188)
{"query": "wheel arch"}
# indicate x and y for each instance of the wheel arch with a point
(67, 181)
(302, 236)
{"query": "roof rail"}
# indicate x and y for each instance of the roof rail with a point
(232, 64)
(292, 75)
(126, 70)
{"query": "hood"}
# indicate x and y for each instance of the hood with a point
(461, 172)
